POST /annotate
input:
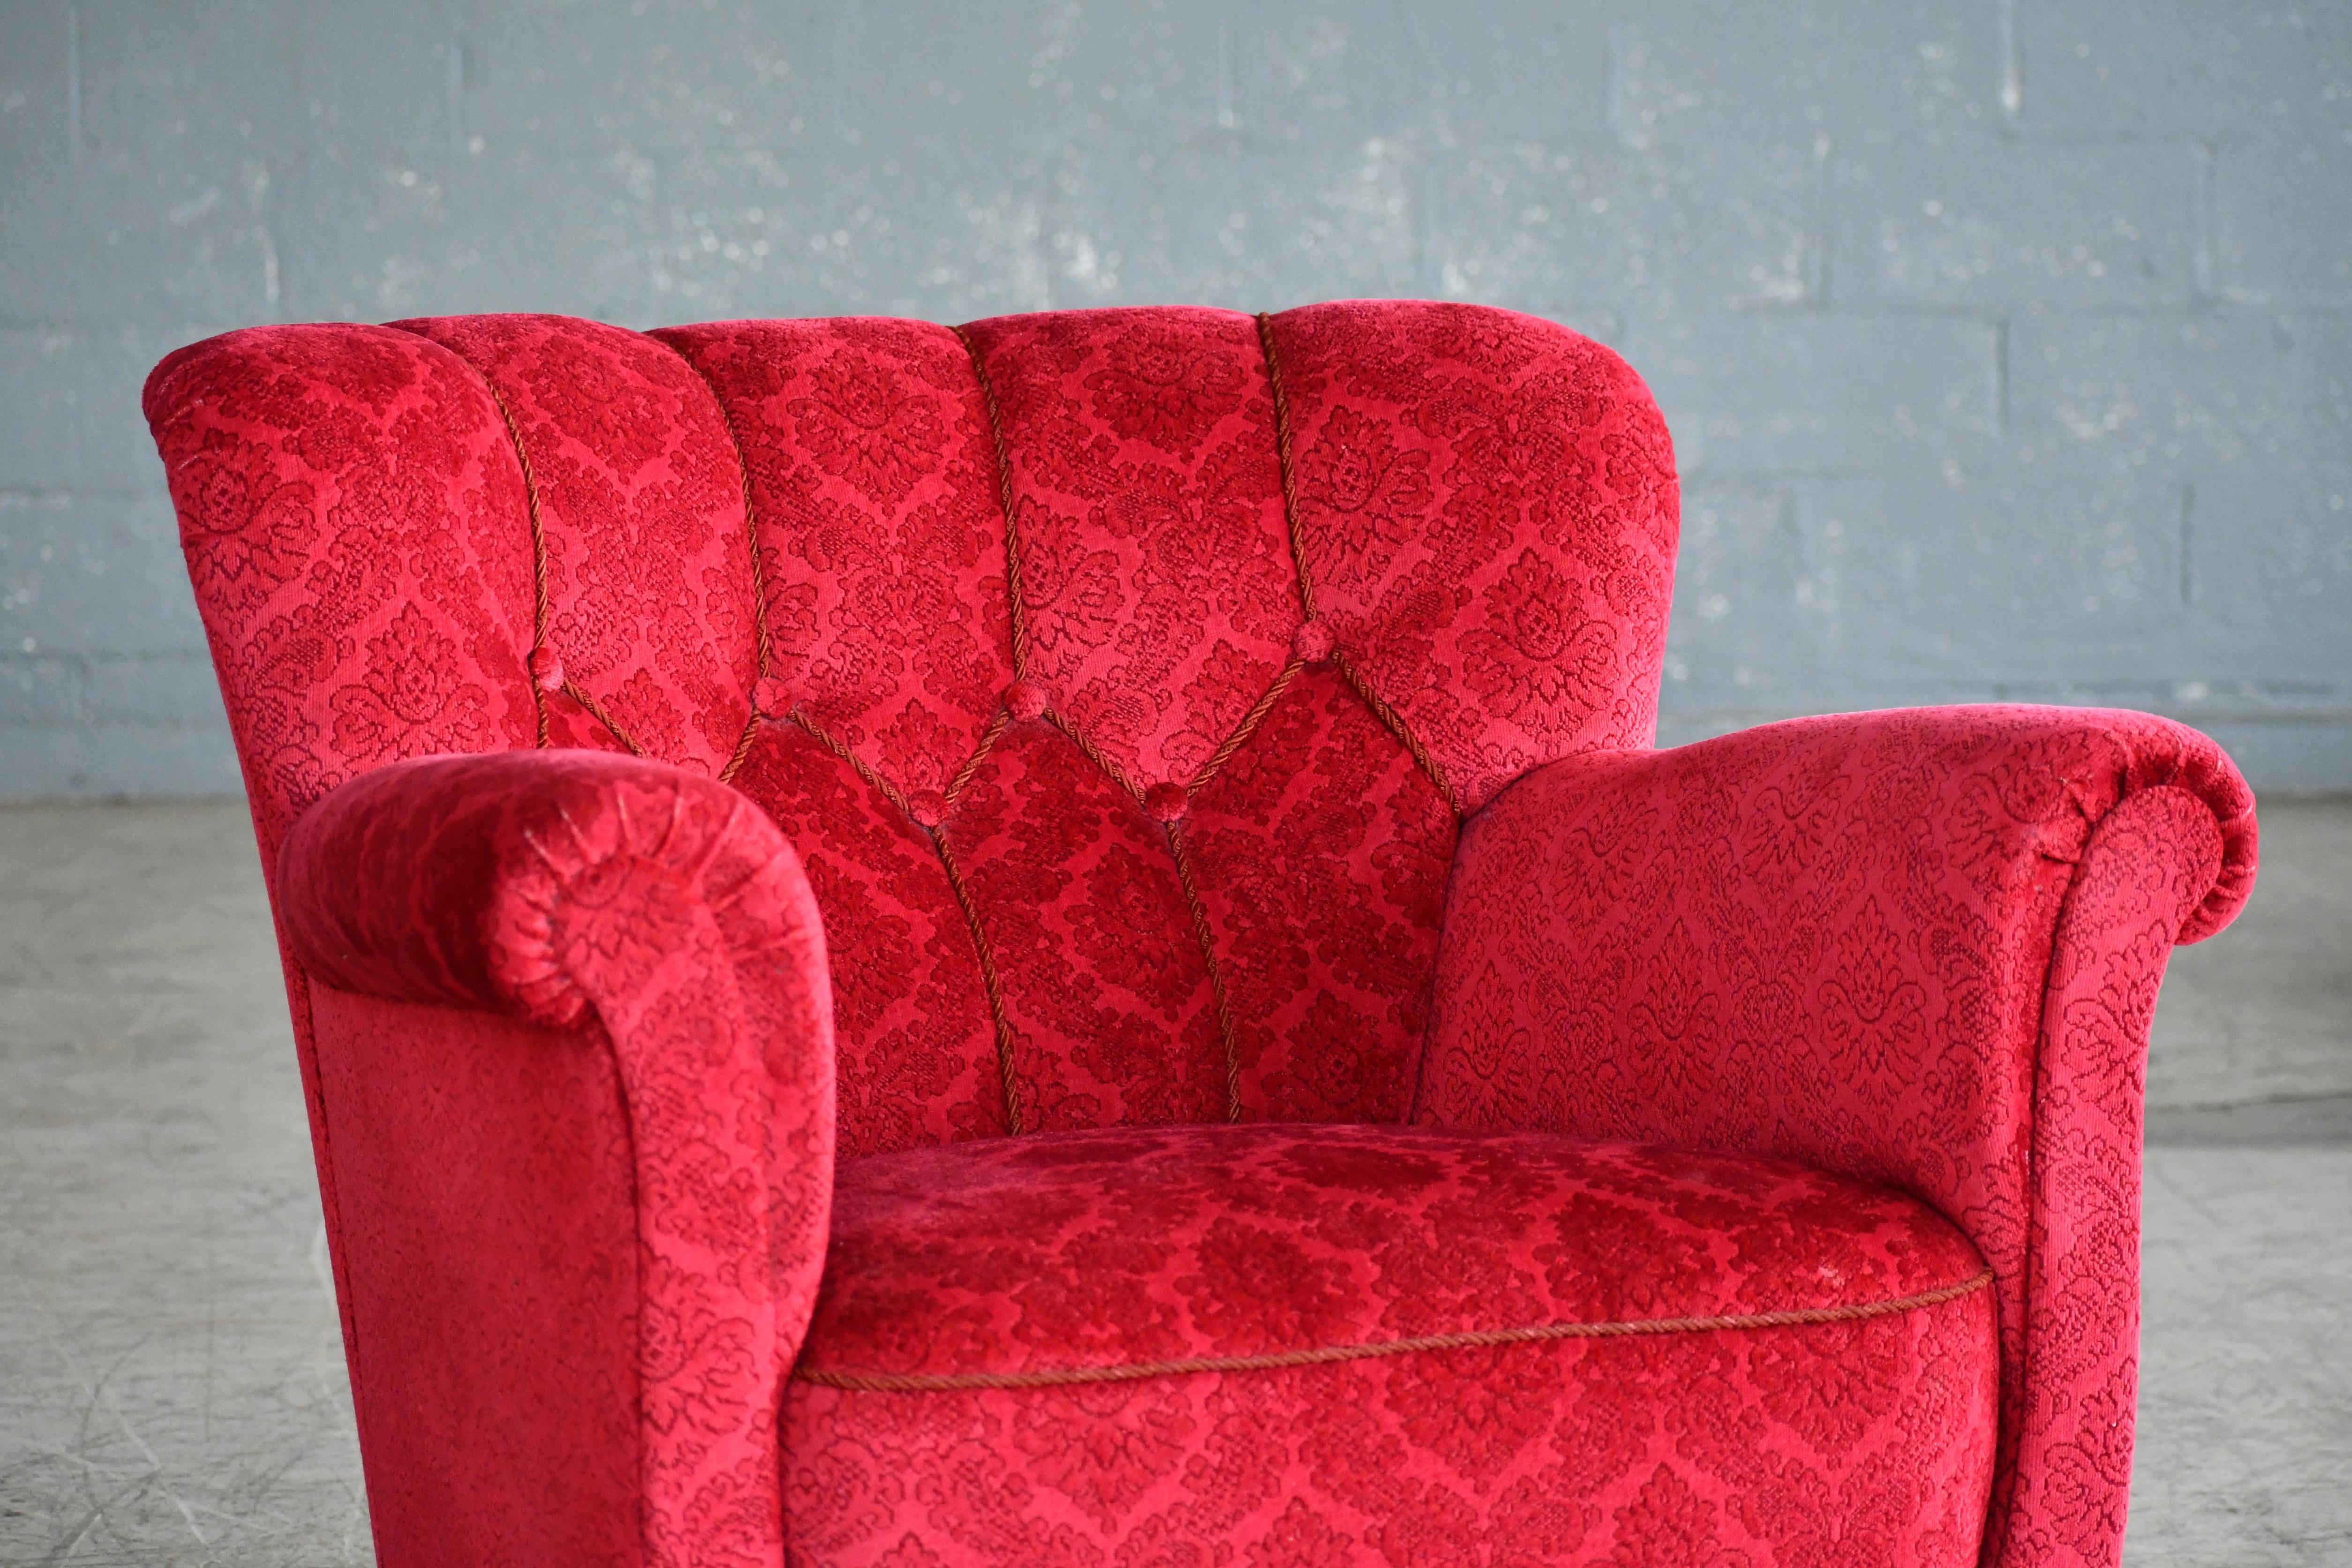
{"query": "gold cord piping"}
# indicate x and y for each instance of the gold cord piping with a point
(1013, 593)
(1322, 1355)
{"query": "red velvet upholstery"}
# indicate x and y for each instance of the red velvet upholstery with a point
(662, 916)
(1918, 948)
(1049, 1294)
(1121, 682)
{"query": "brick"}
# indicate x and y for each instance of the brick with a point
(373, 238)
(2270, 571)
(108, 761)
(2289, 756)
(153, 689)
(207, 87)
(1988, 575)
(1038, 80)
(556, 77)
(1750, 630)
(162, 211)
(1807, 392)
(1559, 231)
(1687, 70)
(885, 76)
(1919, 222)
(950, 238)
(136, 243)
(83, 574)
(118, 454)
(1741, 205)
(2180, 390)
(1536, 70)
(2182, 67)
(2283, 222)
(387, 79)
(1237, 225)
(34, 690)
(36, 159)
(39, 441)
(1327, 78)
(1332, 74)
(35, 103)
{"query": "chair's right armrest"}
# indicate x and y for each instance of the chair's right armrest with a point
(532, 972)
(1918, 947)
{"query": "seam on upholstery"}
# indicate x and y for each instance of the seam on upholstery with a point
(560, 885)
(1429, 987)
(1200, 913)
(1282, 451)
(540, 612)
(742, 748)
(1396, 726)
(595, 710)
(330, 1197)
(1013, 593)
(1285, 455)
(540, 615)
(751, 528)
(1095, 755)
(889, 791)
(1248, 726)
(1323, 1355)
(627, 1112)
(987, 743)
(989, 981)
(2003, 1504)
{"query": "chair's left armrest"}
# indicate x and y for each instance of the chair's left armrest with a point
(652, 929)
(1919, 947)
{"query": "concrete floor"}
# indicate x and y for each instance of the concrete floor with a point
(172, 1385)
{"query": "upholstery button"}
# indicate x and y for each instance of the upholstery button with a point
(768, 697)
(1312, 640)
(1166, 802)
(1024, 700)
(928, 806)
(546, 669)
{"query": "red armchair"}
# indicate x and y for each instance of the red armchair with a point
(1059, 941)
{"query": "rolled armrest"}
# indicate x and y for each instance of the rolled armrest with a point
(1919, 947)
(659, 919)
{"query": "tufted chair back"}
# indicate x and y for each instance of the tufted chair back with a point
(1121, 677)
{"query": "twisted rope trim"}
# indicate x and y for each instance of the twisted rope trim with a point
(1394, 724)
(1056, 1377)
(595, 710)
(1282, 452)
(540, 613)
(1007, 1044)
(1208, 940)
(1248, 726)
(761, 659)
(543, 604)
(1015, 599)
(990, 982)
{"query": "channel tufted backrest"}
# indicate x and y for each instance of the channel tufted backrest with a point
(1121, 676)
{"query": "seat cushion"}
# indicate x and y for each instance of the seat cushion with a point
(1285, 1344)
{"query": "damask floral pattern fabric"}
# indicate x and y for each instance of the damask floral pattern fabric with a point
(1076, 1260)
(348, 500)
(1840, 941)
(1489, 510)
(645, 639)
(1181, 717)
(1019, 578)
(665, 917)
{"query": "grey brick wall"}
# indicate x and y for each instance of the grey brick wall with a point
(2008, 342)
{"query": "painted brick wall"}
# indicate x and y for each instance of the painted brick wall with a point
(2008, 342)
